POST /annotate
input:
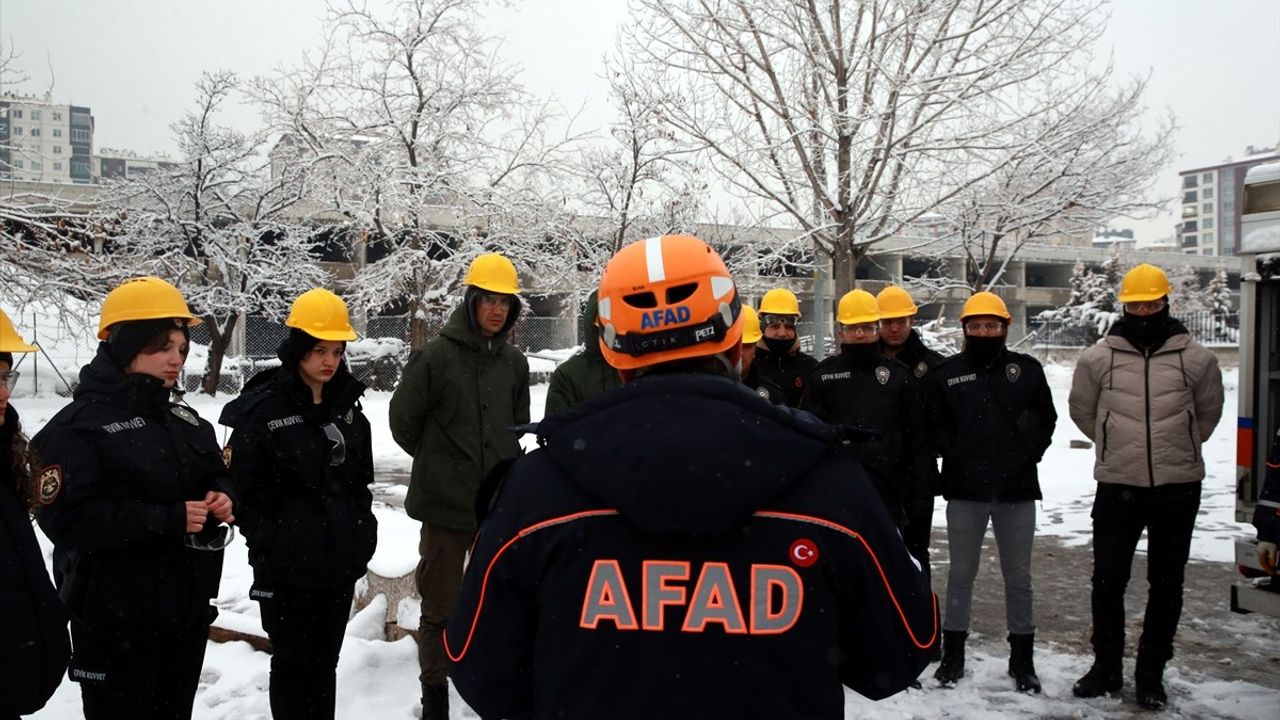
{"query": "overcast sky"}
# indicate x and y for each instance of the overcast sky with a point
(1215, 65)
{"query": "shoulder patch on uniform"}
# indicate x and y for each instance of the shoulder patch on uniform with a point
(921, 368)
(882, 375)
(185, 415)
(226, 456)
(349, 417)
(50, 484)
(1013, 371)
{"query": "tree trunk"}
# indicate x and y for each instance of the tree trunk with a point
(218, 342)
(419, 330)
(844, 268)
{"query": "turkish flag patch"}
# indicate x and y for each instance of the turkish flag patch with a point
(804, 552)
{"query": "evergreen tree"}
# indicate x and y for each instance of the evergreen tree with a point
(1220, 305)
(1186, 295)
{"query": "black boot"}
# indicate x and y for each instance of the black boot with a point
(435, 702)
(1104, 678)
(1021, 666)
(1148, 680)
(951, 669)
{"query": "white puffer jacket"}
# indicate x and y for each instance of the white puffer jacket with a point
(1147, 416)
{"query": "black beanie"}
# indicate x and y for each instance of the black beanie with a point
(128, 338)
(295, 346)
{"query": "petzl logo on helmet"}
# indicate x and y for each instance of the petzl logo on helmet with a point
(660, 317)
(804, 553)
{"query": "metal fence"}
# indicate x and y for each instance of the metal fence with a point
(1205, 327)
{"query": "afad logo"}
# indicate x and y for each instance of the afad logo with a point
(660, 317)
(804, 553)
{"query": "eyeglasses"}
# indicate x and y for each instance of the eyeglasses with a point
(861, 329)
(1144, 307)
(770, 319)
(217, 539)
(10, 379)
(337, 444)
(490, 301)
(984, 328)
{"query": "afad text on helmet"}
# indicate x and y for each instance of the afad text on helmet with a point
(659, 317)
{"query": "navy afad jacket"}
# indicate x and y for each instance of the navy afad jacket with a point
(681, 548)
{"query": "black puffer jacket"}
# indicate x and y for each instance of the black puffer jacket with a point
(993, 423)
(120, 462)
(305, 504)
(33, 645)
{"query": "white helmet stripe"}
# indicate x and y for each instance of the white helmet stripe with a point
(653, 259)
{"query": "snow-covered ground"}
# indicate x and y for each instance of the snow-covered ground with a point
(378, 679)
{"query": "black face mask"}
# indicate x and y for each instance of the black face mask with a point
(1147, 331)
(861, 354)
(779, 346)
(983, 351)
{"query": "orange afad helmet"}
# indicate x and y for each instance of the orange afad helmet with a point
(667, 298)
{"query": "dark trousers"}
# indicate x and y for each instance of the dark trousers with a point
(142, 675)
(1120, 513)
(919, 530)
(306, 628)
(442, 553)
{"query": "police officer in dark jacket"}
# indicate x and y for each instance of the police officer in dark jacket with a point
(994, 419)
(134, 492)
(302, 461)
(900, 341)
(658, 558)
(34, 645)
(860, 387)
(780, 368)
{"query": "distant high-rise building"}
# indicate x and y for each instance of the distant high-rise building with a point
(41, 141)
(1211, 203)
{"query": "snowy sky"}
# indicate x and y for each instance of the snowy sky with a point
(1215, 65)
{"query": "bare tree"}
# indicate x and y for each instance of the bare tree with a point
(216, 225)
(424, 143)
(849, 119)
(1059, 176)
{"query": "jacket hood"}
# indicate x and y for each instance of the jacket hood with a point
(461, 326)
(102, 380)
(633, 448)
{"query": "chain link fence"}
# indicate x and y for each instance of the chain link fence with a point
(1207, 328)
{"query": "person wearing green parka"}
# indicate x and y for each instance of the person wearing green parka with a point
(584, 375)
(453, 411)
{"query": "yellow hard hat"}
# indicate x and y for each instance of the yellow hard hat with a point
(856, 307)
(1144, 283)
(143, 298)
(10, 340)
(985, 303)
(895, 302)
(780, 301)
(751, 332)
(322, 315)
(493, 272)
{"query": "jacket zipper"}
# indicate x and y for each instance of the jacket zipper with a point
(1146, 382)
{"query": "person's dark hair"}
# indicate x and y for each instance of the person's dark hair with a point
(704, 364)
(141, 337)
(25, 468)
